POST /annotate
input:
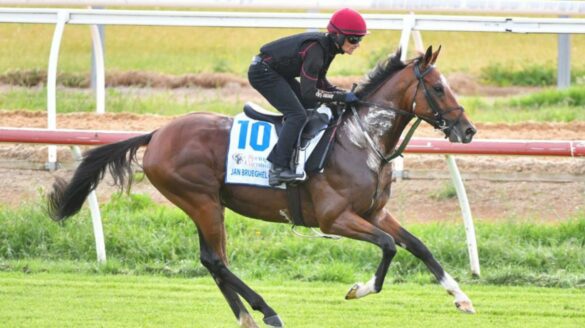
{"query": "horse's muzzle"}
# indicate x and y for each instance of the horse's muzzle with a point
(462, 133)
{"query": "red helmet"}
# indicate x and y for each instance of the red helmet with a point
(347, 22)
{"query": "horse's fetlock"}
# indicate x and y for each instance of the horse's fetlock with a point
(257, 304)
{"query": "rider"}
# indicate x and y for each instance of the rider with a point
(308, 56)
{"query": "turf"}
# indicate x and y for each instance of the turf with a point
(63, 300)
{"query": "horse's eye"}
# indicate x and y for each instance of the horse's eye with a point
(438, 89)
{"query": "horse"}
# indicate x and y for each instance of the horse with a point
(185, 160)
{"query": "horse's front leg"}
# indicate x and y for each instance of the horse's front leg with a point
(353, 226)
(405, 239)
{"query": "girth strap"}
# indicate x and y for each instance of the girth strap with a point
(293, 196)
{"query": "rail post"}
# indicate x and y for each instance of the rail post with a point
(62, 18)
(98, 70)
(563, 60)
(96, 218)
(466, 212)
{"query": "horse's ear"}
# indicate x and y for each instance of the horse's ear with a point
(428, 57)
(398, 53)
(435, 55)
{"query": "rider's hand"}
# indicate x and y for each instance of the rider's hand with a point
(351, 98)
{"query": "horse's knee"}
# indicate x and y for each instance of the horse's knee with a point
(388, 246)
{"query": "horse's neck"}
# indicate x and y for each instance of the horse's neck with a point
(384, 128)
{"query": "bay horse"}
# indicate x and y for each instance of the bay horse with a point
(186, 161)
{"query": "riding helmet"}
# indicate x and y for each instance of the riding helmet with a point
(347, 21)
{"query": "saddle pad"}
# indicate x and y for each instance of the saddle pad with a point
(250, 143)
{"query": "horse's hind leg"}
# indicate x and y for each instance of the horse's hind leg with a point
(409, 242)
(240, 311)
(209, 220)
(271, 319)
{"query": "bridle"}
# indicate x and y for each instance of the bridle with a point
(438, 123)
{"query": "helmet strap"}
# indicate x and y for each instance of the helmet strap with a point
(339, 40)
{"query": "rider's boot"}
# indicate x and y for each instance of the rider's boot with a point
(279, 174)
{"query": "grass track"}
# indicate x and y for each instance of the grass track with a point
(65, 300)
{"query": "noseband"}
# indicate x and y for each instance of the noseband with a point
(439, 122)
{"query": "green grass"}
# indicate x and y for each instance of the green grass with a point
(64, 300)
(528, 75)
(571, 97)
(145, 238)
(161, 102)
(180, 50)
(447, 191)
(545, 106)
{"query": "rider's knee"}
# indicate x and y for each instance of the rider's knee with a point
(298, 116)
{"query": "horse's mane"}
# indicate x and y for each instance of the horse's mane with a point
(380, 73)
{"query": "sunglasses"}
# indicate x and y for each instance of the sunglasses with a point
(354, 39)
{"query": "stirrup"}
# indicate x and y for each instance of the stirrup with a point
(275, 176)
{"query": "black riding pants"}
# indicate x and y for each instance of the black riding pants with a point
(284, 95)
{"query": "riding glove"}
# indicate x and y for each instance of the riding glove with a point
(351, 98)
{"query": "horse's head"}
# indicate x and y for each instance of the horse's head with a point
(434, 101)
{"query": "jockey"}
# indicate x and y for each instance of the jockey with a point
(273, 73)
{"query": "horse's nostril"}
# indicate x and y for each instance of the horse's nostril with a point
(470, 131)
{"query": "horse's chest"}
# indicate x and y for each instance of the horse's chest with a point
(374, 193)
(382, 190)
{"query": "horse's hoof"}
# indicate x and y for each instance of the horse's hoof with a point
(352, 293)
(246, 321)
(274, 321)
(465, 307)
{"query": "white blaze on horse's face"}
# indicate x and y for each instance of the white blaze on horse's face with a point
(446, 85)
(376, 122)
(444, 81)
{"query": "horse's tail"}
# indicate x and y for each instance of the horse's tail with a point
(66, 199)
